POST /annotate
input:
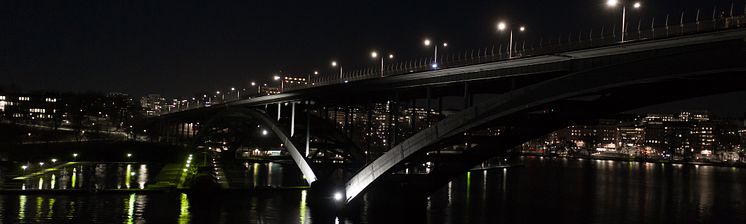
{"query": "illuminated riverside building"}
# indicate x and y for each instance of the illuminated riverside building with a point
(39, 107)
(685, 135)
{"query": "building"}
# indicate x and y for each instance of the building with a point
(152, 104)
(29, 107)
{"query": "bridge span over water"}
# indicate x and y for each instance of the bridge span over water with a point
(496, 105)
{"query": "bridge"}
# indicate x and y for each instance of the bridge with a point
(415, 128)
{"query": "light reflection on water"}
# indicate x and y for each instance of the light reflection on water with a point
(104, 176)
(555, 190)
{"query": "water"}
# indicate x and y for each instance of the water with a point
(94, 176)
(554, 190)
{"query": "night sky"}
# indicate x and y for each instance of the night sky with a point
(182, 47)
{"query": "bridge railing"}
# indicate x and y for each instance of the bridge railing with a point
(606, 36)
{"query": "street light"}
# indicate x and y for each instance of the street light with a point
(24, 167)
(335, 64)
(129, 155)
(53, 160)
(614, 3)
(238, 93)
(75, 156)
(374, 55)
(222, 97)
(435, 58)
(502, 26)
(282, 82)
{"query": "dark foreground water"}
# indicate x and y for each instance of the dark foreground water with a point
(545, 190)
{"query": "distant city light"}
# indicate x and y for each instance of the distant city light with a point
(612, 2)
(253, 83)
(501, 26)
(637, 5)
(264, 132)
(337, 196)
(427, 42)
(334, 64)
(374, 54)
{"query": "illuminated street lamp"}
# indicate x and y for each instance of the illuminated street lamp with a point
(614, 3)
(238, 92)
(129, 155)
(435, 58)
(282, 82)
(502, 26)
(24, 167)
(53, 160)
(335, 64)
(222, 96)
(75, 156)
(375, 55)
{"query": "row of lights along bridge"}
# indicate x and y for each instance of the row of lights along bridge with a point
(501, 27)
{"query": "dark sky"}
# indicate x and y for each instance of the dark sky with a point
(182, 47)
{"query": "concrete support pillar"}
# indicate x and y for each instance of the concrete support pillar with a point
(391, 120)
(370, 126)
(440, 106)
(467, 96)
(347, 120)
(428, 106)
(308, 132)
(292, 119)
(279, 110)
(413, 116)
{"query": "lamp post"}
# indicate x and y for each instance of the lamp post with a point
(308, 81)
(502, 26)
(613, 3)
(238, 93)
(427, 42)
(375, 55)
(24, 167)
(335, 64)
(282, 82)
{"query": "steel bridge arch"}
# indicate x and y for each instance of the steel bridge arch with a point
(663, 67)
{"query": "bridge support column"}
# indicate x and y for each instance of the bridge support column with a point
(308, 131)
(413, 118)
(467, 96)
(427, 113)
(347, 120)
(279, 110)
(292, 119)
(440, 106)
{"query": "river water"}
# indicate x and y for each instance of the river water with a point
(544, 190)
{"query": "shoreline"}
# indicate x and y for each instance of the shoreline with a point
(610, 158)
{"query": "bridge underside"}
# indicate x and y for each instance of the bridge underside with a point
(636, 80)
